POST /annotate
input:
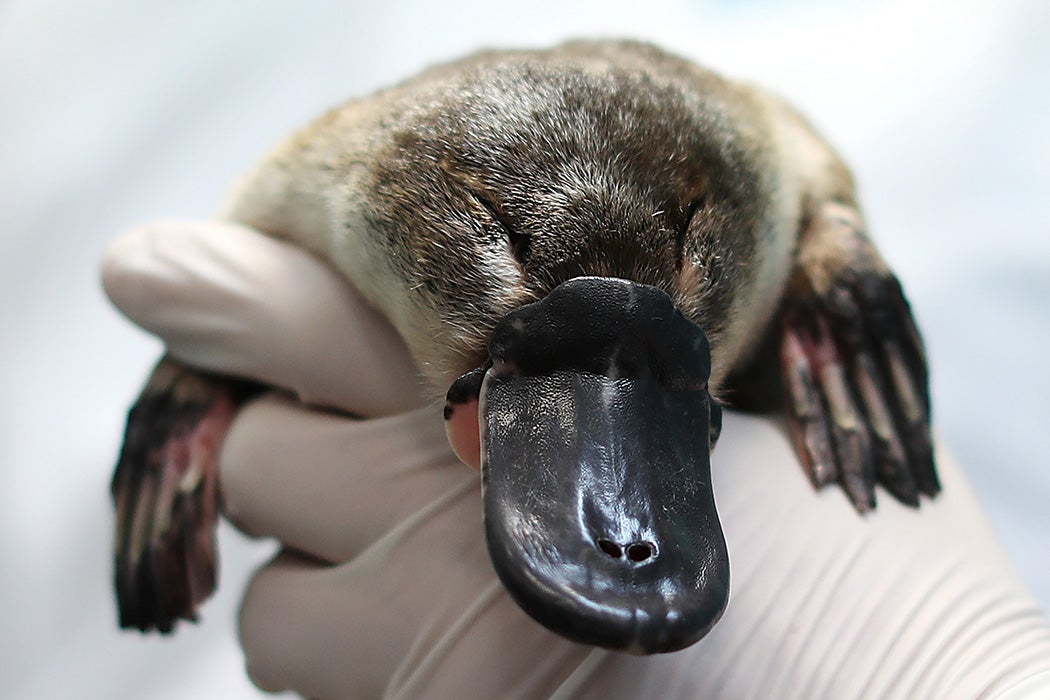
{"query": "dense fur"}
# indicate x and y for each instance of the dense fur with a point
(481, 185)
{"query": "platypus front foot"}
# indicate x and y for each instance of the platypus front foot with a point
(855, 372)
(166, 494)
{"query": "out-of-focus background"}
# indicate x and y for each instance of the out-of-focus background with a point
(114, 113)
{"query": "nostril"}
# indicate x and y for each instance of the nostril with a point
(640, 551)
(611, 548)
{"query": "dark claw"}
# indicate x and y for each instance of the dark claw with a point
(806, 412)
(890, 460)
(903, 365)
(852, 445)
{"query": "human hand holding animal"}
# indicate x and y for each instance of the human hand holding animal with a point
(385, 587)
(603, 242)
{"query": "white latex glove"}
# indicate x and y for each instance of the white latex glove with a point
(397, 597)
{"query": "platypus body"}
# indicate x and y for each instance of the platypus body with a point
(589, 248)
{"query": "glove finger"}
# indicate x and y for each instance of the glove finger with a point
(232, 300)
(329, 485)
(301, 629)
(419, 613)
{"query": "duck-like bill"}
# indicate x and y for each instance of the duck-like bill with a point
(596, 431)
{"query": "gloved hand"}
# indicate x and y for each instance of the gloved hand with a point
(385, 587)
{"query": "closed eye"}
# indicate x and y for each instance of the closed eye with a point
(519, 242)
(683, 230)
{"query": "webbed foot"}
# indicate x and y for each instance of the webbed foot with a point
(166, 494)
(854, 367)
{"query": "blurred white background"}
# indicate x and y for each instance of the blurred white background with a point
(116, 113)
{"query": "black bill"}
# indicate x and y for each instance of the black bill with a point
(596, 430)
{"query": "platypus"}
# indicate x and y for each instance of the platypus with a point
(587, 250)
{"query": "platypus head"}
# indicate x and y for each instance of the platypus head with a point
(579, 235)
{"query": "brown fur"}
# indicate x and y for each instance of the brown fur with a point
(482, 184)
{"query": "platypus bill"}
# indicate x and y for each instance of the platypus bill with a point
(589, 247)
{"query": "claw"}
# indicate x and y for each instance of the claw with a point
(847, 425)
(907, 378)
(891, 462)
(806, 412)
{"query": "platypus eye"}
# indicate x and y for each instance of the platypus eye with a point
(689, 213)
(519, 242)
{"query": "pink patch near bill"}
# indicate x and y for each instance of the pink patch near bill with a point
(464, 434)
